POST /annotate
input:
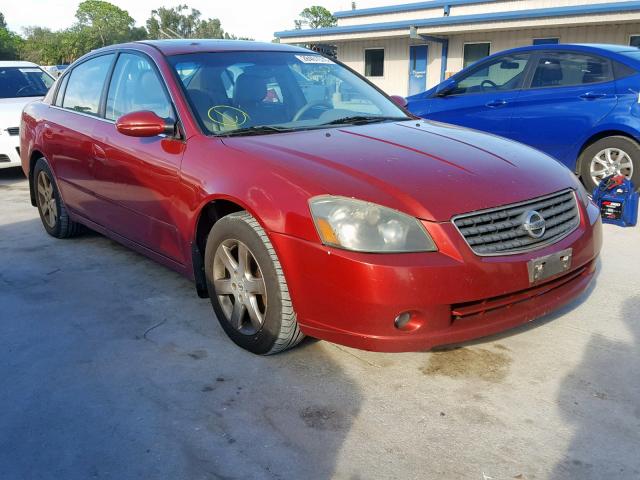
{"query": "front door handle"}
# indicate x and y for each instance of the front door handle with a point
(496, 103)
(592, 95)
(99, 153)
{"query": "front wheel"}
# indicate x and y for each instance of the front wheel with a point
(248, 291)
(615, 155)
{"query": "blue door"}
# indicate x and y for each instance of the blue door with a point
(568, 95)
(481, 98)
(417, 68)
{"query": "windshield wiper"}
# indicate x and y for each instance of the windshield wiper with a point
(363, 120)
(255, 130)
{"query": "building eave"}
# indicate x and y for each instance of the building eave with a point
(406, 7)
(537, 13)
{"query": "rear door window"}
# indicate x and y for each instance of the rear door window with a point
(84, 87)
(135, 86)
(563, 69)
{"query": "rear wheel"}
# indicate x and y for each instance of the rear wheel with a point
(615, 155)
(53, 212)
(248, 291)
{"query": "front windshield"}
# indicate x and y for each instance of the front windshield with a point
(249, 92)
(24, 82)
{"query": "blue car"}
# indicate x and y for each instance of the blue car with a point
(577, 103)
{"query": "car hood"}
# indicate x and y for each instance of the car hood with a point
(431, 170)
(11, 109)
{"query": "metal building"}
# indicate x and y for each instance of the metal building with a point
(407, 48)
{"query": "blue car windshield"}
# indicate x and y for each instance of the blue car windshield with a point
(251, 92)
(24, 82)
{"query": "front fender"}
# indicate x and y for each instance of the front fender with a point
(212, 171)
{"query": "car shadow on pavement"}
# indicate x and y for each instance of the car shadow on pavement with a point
(10, 176)
(112, 367)
(600, 399)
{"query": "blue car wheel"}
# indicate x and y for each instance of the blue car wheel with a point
(615, 155)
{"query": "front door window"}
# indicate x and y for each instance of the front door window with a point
(500, 74)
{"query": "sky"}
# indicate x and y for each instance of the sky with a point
(257, 19)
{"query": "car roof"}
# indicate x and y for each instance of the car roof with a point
(12, 63)
(176, 47)
(601, 48)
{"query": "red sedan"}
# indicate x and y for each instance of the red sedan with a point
(304, 201)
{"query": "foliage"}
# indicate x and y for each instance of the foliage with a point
(100, 23)
(316, 17)
(183, 22)
(9, 44)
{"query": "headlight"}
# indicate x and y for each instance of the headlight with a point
(366, 227)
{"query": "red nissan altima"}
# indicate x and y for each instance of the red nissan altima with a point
(304, 201)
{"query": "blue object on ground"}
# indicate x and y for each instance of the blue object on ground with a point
(617, 199)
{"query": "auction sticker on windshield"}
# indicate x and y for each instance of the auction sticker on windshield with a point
(314, 59)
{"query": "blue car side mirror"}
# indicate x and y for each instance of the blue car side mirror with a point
(446, 87)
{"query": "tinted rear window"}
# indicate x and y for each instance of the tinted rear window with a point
(84, 87)
(24, 82)
(633, 54)
(621, 70)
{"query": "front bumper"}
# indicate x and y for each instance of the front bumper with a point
(453, 295)
(9, 156)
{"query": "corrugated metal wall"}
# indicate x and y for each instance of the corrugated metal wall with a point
(396, 75)
(396, 62)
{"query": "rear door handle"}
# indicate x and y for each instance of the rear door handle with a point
(496, 103)
(592, 95)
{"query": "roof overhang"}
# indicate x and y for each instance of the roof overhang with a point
(616, 12)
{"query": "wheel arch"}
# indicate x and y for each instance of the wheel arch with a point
(35, 156)
(210, 211)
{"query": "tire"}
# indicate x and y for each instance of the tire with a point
(51, 207)
(629, 147)
(262, 323)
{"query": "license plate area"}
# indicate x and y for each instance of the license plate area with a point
(549, 265)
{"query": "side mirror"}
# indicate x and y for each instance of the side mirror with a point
(144, 124)
(398, 100)
(446, 87)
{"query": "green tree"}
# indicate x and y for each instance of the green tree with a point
(105, 22)
(173, 23)
(41, 45)
(316, 17)
(9, 41)
(184, 22)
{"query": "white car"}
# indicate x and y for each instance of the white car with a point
(20, 84)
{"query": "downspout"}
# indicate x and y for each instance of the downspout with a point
(443, 61)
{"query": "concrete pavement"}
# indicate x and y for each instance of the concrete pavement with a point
(111, 367)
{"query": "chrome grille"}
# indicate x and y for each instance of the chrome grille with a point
(13, 131)
(500, 231)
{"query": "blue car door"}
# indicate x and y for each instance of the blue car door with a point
(568, 94)
(481, 98)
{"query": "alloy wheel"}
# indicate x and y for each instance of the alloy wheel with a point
(610, 161)
(240, 287)
(47, 200)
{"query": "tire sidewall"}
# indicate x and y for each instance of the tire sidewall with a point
(234, 227)
(623, 143)
(43, 166)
